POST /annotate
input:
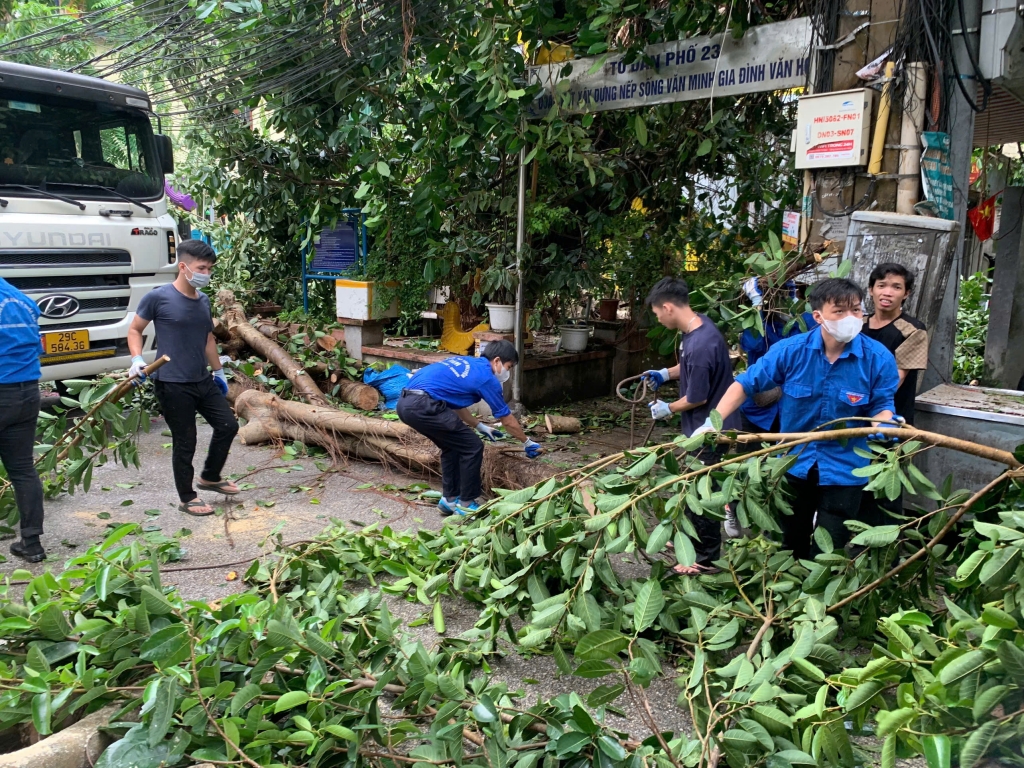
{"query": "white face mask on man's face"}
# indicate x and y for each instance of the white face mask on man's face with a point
(503, 374)
(844, 329)
(198, 279)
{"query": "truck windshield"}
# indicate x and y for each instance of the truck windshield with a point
(85, 146)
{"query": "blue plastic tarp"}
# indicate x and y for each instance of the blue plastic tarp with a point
(390, 382)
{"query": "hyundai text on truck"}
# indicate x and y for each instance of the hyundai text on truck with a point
(84, 227)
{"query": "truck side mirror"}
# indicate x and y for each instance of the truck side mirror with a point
(166, 152)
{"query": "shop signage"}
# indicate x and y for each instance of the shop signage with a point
(772, 57)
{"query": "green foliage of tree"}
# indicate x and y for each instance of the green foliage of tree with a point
(971, 329)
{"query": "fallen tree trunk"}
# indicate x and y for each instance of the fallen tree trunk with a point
(269, 418)
(238, 325)
(362, 396)
(77, 746)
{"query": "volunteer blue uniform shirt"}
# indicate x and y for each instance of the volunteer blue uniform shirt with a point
(20, 345)
(461, 382)
(755, 346)
(861, 382)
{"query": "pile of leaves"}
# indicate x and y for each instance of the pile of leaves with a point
(912, 637)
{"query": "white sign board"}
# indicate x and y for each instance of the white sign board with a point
(772, 57)
(832, 129)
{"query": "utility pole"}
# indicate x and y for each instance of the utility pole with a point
(961, 135)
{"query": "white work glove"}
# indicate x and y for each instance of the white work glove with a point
(491, 433)
(221, 380)
(704, 428)
(753, 291)
(660, 410)
(137, 370)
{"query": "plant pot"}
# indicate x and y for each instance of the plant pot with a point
(502, 317)
(608, 309)
(574, 338)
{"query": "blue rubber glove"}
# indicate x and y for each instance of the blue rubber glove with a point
(533, 450)
(491, 433)
(221, 381)
(137, 371)
(655, 378)
(878, 437)
(660, 410)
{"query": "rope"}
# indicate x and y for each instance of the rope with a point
(634, 402)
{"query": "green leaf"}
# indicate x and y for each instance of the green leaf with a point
(484, 710)
(998, 570)
(704, 148)
(570, 743)
(561, 660)
(167, 647)
(243, 696)
(163, 710)
(659, 538)
(879, 536)
(342, 732)
(996, 617)
(290, 700)
(862, 694)
(963, 666)
(42, 712)
(594, 668)
(649, 602)
(888, 753)
(987, 700)
(383, 170)
(641, 130)
(890, 722)
(1012, 659)
(36, 660)
(774, 720)
(977, 744)
(937, 752)
(155, 602)
(54, 624)
(604, 694)
(602, 644)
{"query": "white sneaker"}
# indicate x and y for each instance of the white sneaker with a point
(732, 524)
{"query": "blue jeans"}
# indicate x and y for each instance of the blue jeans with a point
(19, 411)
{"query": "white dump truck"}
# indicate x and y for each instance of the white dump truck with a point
(84, 227)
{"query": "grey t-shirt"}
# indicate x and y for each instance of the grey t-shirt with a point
(705, 372)
(182, 327)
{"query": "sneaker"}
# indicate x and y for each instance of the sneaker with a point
(732, 524)
(468, 508)
(448, 506)
(29, 551)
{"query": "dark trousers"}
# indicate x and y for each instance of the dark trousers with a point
(834, 504)
(462, 452)
(180, 403)
(19, 411)
(708, 546)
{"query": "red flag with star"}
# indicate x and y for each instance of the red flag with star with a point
(983, 218)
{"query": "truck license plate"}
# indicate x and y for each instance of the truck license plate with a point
(63, 342)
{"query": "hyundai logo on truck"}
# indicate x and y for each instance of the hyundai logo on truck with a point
(58, 305)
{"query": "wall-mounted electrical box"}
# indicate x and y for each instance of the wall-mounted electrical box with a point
(833, 129)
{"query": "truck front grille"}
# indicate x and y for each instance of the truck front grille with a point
(28, 258)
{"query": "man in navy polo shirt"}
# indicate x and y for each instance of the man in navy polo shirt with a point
(20, 347)
(436, 404)
(830, 373)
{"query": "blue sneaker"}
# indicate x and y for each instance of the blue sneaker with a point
(468, 508)
(448, 507)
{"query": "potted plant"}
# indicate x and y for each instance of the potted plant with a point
(608, 307)
(498, 284)
(574, 332)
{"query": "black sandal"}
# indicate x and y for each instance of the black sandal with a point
(189, 508)
(218, 487)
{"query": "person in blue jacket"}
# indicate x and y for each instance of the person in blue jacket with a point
(762, 414)
(828, 374)
(20, 371)
(436, 404)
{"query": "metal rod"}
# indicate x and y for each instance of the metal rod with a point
(517, 374)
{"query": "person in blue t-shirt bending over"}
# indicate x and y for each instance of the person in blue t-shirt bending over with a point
(830, 373)
(436, 404)
(20, 347)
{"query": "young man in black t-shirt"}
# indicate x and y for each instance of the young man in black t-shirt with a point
(906, 337)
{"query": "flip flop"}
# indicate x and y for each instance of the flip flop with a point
(189, 508)
(678, 571)
(217, 487)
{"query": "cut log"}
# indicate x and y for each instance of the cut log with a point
(327, 343)
(562, 425)
(234, 318)
(269, 418)
(220, 331)
(362, 396)
(77, 746)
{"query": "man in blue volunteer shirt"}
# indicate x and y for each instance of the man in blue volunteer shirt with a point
(180, 312)
(704, 373)
(436, 404)
(20, 347)
(761, 413)
(829, 373)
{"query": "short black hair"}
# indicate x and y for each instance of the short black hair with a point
(503, 350)
(196, 250)
(892, 268)
(838, 291)
(671, 289)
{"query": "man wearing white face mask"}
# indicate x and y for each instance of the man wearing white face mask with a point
(829, 373)
(180, 312)
(436, 404)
